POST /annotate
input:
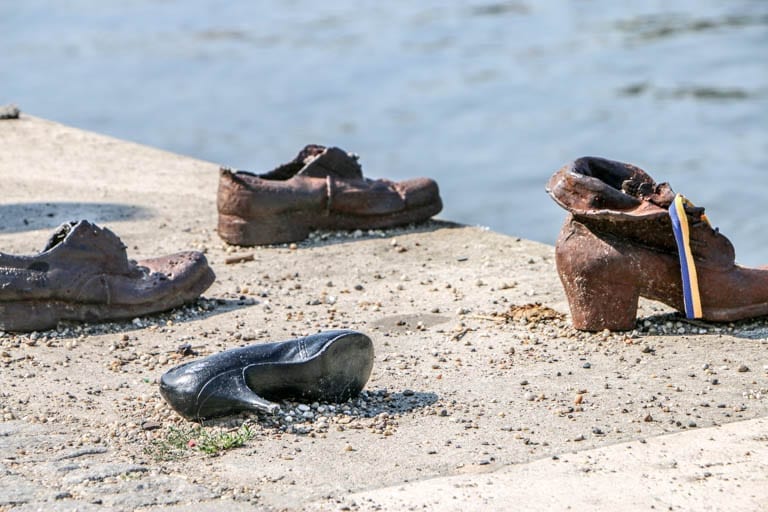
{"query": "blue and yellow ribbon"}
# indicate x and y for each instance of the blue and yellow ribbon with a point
(680, 228)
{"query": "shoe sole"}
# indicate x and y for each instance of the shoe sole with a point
(336, 374)
(295, 226)
(40, 315)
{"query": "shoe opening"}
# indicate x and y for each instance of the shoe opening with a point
(625, 177)
(59, 235)
(289, 170)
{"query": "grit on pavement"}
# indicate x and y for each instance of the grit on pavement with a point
(482, 396)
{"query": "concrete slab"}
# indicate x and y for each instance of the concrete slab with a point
(478, 376)
(717, 468)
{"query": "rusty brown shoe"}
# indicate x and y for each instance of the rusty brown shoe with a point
(84, 274)
(619, 242)
(322, 188)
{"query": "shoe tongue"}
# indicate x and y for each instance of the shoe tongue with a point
(644, 189)
(332, 162)
(663, 195)
(88, 242)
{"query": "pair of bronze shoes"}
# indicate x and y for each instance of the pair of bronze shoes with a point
(627, 236)
(84, 274)
(322, 188)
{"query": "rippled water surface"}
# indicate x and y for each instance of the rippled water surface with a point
(489, 98)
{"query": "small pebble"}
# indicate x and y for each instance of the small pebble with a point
(150, 425)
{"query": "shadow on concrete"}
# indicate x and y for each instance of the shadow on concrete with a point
(369, 404)
(667, 324)
(18, 217)
(399, 402)
(201, 309)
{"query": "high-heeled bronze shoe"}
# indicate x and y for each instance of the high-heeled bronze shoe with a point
(627, 236)
(331, 365)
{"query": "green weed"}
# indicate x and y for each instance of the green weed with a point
(180, 442)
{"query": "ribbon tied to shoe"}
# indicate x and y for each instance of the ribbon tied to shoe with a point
(681, 230)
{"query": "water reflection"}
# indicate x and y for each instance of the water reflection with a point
(658, 26)
(500, 8)
(710, 93)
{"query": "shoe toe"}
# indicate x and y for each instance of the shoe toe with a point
(419, 191)
(184, 271)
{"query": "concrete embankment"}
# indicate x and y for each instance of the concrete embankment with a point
(482, 396)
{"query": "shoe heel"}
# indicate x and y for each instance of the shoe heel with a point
(599, 284)
(277, 229)
(347, 365)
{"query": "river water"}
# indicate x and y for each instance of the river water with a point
(489, 98)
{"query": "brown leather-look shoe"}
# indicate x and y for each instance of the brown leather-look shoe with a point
(84, 274)
(618, 244)
(322, 188)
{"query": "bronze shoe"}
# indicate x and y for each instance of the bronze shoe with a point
(322, 188)
(618, 244)
(331, 365)
(84, 274)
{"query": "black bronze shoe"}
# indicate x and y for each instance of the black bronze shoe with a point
(330, 366)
